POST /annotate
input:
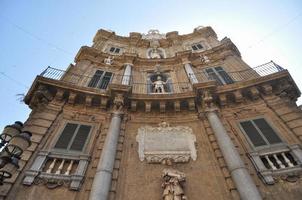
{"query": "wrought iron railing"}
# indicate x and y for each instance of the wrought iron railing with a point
(219, 75)
(228, 77)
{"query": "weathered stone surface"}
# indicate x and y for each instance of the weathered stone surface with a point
(165, 142)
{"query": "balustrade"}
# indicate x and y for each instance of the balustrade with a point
(276, 161)
(222, 77)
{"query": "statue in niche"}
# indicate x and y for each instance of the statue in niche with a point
(159, 85)
(173, 185)
(155, 53)
(204, 59)
(109, 60)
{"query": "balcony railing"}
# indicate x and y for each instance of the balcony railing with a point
(226, 77)
(222, 77)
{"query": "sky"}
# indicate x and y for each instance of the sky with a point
(37, 34)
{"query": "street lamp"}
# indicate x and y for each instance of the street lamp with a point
(15, 142)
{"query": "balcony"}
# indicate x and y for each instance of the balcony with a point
(279, 161)
(57, 169)
(220, 77)
(228, 77)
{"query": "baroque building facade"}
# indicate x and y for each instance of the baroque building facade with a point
(161, 116)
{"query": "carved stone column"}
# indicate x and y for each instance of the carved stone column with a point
(190, 72)
(240, 175)
(127, 74)
(102, 179)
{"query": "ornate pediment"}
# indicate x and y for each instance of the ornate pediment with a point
(154, 34)
(166, 144)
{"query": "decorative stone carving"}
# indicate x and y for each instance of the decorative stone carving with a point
(207, 99)
(159, 85)
(118, 102)
(173, 185)
(204, 59)
(109, 60)
(165, 144)
(153, 34)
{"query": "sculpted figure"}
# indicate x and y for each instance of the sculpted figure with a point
(155, 53)
(118, 102)
(172, 184)
(109, 60)
(159, 85)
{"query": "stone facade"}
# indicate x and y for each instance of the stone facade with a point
(161, 116)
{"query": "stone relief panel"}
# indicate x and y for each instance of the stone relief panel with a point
(165, 144)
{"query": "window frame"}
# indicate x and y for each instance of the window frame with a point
(196, 46)
(101, 79)
(68, 150)
(268, 145)
(216, 72)
(115, 49)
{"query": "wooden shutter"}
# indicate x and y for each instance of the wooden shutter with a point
(112, 49)
(80, 138)
(267, 131)
(105, 80)
(95, 79)
(117, 50)
(199, 46)
(66, 136)
(252, 133)
(194, 47)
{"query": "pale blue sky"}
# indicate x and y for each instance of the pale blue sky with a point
(35, 34)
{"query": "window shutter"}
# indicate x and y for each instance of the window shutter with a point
(199, 46)
(267, 131)
(224, 75)
(112, 49)
(66, 136)
(252, 133)
(95, 79)
(80, 138)
(105, 81)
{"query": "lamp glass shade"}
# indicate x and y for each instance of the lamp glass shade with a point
(8, 170)
(9, 132)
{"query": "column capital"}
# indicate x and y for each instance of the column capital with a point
(186, 62)
(128, 63)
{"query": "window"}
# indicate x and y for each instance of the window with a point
(73, 137)
(100, 79)
(115, 50)
(260, 133)
(197, 47)
(218, 74)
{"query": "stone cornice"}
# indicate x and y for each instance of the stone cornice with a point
(136, 38)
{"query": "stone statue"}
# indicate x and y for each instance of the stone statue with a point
(172, 184)
(204, 59)
(155, 53)
(118, 102)
(109, 60)
(159, 85)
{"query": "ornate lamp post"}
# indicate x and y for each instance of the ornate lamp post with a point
(13, 142)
